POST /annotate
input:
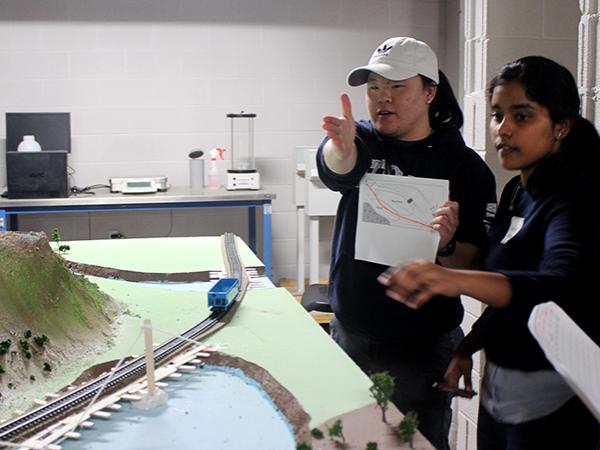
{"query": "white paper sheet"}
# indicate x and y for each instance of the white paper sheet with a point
(572, 353)
(394, 218)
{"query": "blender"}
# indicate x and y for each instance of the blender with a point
(243, 173)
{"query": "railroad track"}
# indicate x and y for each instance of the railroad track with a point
(16, 430)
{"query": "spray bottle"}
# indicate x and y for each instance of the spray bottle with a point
(214, 178)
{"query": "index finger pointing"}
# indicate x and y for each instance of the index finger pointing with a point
(346, 107)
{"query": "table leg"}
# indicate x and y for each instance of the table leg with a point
(267, 244)
(252, 228)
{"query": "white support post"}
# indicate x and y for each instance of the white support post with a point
(300, 256)
(588, 46)
(149, 357)
(313, 238)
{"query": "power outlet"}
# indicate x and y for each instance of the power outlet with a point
(115, 234)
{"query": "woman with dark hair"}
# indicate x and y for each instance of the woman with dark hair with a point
(543, 246)
(413, 132)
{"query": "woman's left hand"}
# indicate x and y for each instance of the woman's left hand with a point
(417, 282)
(446, 222)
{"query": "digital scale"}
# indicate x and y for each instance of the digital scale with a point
(138, 185)
(243, 173)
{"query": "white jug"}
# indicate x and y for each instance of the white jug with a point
(29, 144)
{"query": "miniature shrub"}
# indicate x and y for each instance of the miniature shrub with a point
(5, 346)
(40, 340)
(408, 427)
(316, 433)
(24, 347)
(336, 431)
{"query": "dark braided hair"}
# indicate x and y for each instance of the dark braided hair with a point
(444, 111)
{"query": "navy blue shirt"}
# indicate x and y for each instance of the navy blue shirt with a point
(357, 298)
(550, 258)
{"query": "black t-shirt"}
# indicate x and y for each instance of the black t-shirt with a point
(548, 255)
(357, 298)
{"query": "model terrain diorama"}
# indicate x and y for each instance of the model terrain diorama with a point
(51, 318)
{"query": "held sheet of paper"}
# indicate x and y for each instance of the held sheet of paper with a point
(394, 218)
(572, 353)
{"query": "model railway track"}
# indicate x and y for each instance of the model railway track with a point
(33, 421)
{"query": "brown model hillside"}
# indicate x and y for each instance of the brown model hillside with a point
(48, 315)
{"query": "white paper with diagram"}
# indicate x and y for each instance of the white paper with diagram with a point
(394, 218)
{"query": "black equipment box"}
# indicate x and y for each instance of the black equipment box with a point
(37, 174)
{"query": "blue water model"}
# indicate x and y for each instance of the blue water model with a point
(222, 295)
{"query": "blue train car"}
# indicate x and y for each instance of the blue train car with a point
(223, 293)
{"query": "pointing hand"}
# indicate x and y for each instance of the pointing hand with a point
(342, 130)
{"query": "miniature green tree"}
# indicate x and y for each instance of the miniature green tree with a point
(5, 346)
(382, 390)
(372, 446)
(24, 347)
(408, 427)
(47, 367)
(62, 248)
(336, 431)
(56, 236)
(303, 446)
(40, 340)
(316, 433)
(27, 334)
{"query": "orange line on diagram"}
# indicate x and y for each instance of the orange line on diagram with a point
(383, 205)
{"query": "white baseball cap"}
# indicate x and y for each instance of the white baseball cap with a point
(398, 58)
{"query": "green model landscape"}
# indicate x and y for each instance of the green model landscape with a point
(49, 317)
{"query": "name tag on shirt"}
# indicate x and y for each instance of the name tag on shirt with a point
(516, 223)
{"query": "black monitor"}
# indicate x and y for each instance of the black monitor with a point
(51, 130)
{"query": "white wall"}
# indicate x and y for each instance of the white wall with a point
(148, 81)
(518, 28)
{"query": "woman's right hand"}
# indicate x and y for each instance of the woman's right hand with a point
(341, 131)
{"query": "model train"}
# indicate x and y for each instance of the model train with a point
(223, 294)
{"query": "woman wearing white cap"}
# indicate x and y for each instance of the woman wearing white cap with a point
(413, 131)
